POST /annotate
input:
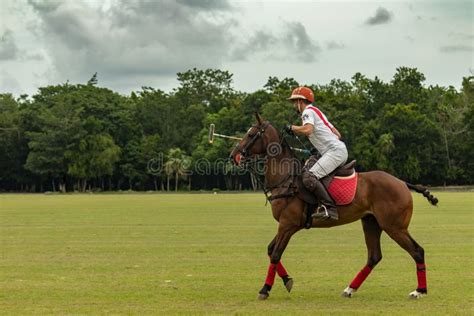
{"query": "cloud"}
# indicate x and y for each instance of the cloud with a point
(300, 42)
(382, 16)
(8, 83)
(207, 4)
(261, 41)
(134, 38)
(331, 45)
(456, 49)
(34, 56)
(44, 5)
(8, 48)
(461, 35)
(293, 44)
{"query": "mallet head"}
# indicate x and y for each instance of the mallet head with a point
(212, 128)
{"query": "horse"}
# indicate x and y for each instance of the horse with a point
(382, 202)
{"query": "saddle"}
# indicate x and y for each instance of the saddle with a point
(307, 196)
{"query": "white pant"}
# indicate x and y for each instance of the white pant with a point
(332, 159)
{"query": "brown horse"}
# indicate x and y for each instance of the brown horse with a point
(382, 202)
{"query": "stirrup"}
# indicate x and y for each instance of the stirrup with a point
(321, 212)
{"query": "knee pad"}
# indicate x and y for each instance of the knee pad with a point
(309, 180)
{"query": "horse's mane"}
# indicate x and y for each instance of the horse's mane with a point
(284, 143)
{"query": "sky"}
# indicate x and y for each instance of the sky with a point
(131, 44)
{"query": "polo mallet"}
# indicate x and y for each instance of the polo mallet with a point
(304, 151)
(212, 134)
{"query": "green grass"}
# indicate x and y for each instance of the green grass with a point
(206, 254)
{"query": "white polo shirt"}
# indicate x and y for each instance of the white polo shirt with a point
(322, 137)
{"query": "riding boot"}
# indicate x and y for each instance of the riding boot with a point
(328, 207)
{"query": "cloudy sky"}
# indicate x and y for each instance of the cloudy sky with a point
(145, 43)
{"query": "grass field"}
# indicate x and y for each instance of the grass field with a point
(206, 254)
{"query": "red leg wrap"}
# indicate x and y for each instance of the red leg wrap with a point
(281, 270)
(271, 274)
(360, 277)
(421, 274)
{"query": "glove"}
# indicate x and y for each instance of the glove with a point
(288, 130)
(315, 152)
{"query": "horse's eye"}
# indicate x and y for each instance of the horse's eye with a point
(252, 135)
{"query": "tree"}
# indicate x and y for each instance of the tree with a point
(12, 144)
(151, 156)
(410, 158)
(211, 88)
(279, 113)
(93, 157)
(177, 164)
(466, 139)
(281, 87)
(447, 110)
(190, 122)
(253, 102)
(59, 127)
(407, 86)
(93, 80)
(129, 165)
(158, 114)
(68, 123)
(141, 159)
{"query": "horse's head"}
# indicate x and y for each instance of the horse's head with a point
(255, 142)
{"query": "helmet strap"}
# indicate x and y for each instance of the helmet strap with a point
(299, 106)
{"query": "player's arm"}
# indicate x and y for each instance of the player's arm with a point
(335, 131)
(306, 129)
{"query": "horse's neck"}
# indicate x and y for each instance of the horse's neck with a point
(279, 167)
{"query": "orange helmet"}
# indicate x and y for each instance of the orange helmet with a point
(302, 93)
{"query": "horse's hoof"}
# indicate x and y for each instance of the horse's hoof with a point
(348, 292)
(262, 296)
(416, 295)
(289, 285)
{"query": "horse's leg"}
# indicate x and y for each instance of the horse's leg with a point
(372, 232)
(287, 281)
(403, 238)
(279, 244)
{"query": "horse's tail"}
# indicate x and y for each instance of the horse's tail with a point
(423, 190)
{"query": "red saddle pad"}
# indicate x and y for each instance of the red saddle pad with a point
(343, 189)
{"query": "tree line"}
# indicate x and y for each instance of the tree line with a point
(78, 137)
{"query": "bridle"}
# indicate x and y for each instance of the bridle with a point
(245, 150)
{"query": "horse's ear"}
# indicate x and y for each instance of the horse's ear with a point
(259, 118)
